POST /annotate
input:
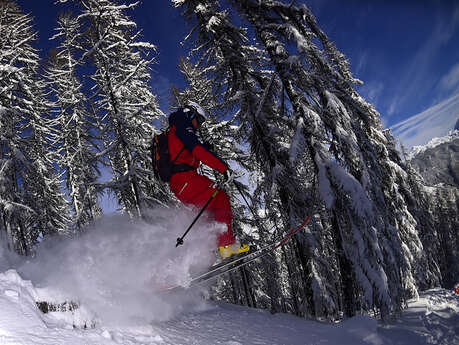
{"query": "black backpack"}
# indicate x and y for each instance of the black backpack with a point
(163, 167)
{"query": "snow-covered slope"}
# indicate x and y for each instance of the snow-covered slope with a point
(438, 161)
(433, 319)
(104, 282)
(433, 143)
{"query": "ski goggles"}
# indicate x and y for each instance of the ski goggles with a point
(194, 114)
(201, 119)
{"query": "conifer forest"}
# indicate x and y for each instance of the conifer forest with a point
(284, 113)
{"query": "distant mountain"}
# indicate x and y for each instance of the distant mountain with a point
(438, 161)
(457, 125)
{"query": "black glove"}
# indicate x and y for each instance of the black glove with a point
(228, 176)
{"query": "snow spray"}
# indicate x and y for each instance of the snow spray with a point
(115, 267)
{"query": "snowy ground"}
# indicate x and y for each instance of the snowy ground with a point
(433, 319)
(113, 269)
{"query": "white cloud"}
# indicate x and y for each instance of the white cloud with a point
(436, 121)
(451, 80)
(372, 91)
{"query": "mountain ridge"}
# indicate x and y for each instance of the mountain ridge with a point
(438, 161)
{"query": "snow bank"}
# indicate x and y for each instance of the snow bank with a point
(21, 322)
(21, 295)
(433, 318)
(115, 267)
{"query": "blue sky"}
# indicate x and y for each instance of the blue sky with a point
(406, 52)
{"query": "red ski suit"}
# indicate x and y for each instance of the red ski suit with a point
(190, 187)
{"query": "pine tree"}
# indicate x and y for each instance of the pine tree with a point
(32, 204)
(319, 146)
(73, 125)
(123, 101)
(445, 203)
(237, 70)
(435, 211)
(319, 86)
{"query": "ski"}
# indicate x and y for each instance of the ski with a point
(225, 267)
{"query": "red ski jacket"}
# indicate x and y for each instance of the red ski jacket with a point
(182, 133)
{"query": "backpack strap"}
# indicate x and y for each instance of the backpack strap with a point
(178, 154)
(177, 168)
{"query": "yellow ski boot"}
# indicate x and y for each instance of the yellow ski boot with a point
(235, 248)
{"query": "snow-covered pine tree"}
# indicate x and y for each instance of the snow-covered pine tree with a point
(350, 169)
(72, 124)
(123, 100)
(331, 133)
(12, 72)
(242, 76)
(422, 240)
(226, 75)
(435, 210)
(445, 203)
(31, 203)
(43, 191)
(340, 122)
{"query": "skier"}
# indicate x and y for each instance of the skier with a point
(195, 189)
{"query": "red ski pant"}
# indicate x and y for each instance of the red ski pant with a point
(194, 189)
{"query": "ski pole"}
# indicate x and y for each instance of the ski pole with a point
(180, 239)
